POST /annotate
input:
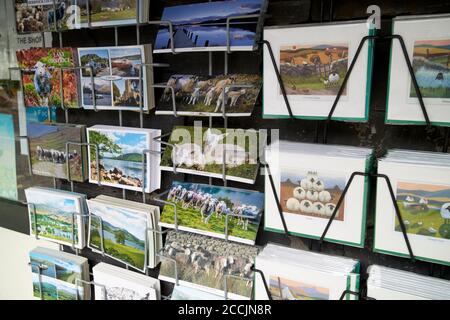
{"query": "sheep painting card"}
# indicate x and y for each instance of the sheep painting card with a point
(117, 84)
(41, 68)
(210, 152)
(55, 216)
(425, 209)
(286, 289)
(205, 96)
(431, 63)
(206, 209)
(312, 194)
(316, 70)
(8, 182)
(203, 26)
(121, 232)
(48, 150)
(121, 153)
(203, 263)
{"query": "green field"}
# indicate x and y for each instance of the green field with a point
(193, 219)
(50, 224)
(420, 221)
(313, 83)
(49, 291)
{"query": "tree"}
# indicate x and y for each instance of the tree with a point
(119, 235)
(104, 143)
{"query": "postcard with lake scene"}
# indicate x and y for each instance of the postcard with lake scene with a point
(202, 26)
(41, 77)
(204, 209)
(315, 69)
(312, 193)
(285, 289)
(8, 182)
(425, 209)
(51, 214)
(201, 151)
(124, 233)
(203, 262)
(121, 153)
(48, 150)
(431, 63)
(57, 279)
(204, 96)
(116, 77)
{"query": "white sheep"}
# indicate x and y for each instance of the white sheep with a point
(324, 196)
(318, 208)
(306, 206)
(318, 185)
(292, 204)
(329, 209)
(312, 195)
(299, 193)
(305, 184)
(209, 97)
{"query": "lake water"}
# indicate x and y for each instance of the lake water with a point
(102, 99)
(108, 235)
(128, 168)
(427, 78)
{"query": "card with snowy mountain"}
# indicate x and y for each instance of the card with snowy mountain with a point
(420, 181)
(205, 96)
(309, 181)
(213, 152)
(214, 211)
(121, 79)
(313, 61)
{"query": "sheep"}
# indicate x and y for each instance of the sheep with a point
(209, 96)
(189, 154)
(299, 193)
(293, 204)
(305, 184)
(318, 185)
(221, 99)
(324, 196)
(306, 206)
(42, 82)
(329, 209)
(235, 95)
(318, 208)
(194, 96)
(333, 79)
(312, 195)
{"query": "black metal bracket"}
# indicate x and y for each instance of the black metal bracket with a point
(394, 201)
(263, 277)
(356, 294)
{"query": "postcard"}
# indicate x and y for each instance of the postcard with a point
(56, 216)
(286, 289)
(8, 183)
(203, 262)
(41, 77)
(202, 151)
(121, 152)
(204, 209)
(204, 96)
(117, 84)
(124, 233)
(188, 293)
(48, 150)
(202, 26)
(427, 42)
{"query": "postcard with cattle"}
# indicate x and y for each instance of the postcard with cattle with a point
(120, 79)
(218, 153)
(48, 153)
(203, 26)
(41, 76)
(214, 211)
(204, 263)
(235, 95)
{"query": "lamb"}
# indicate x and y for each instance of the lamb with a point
(318, 185)
(324, 196)
(299, 193)
(194, 96)
(222, 99)
(318, 208)
(332, 80)
(209, 96)
(312, 195)
(42, 82)
(329, 209)
(306, 206)
(235, 95)
(293, 204)
(189, 154)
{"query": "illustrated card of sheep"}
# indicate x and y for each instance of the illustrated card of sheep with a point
(310, 180)
(313, 61)
(420, 181)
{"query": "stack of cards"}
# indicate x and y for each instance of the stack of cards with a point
(57, 215)
(309, 180)
(392, 284)
(114, 283)
(121, 81)
(293, 274)
(122, 230)
(48, 150)
(420, 181)
(121, 152)
(59, 275)
(187, 293)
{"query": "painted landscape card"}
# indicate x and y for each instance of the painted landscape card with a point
(55, 278)
(116, 78)
(8, 182)
(425, 209)
(314, 69)
(41, 68)
(55, 217)
(285, 289)
(201, 151)
(124, 233)
(204, 96)
(120, 160)
(48, 150)
(312, 193)
(206, 209)
(202, 26)
(203, 262)
(431, 63)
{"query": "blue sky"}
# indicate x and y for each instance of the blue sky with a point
(330, 179)
(71, 266)
(119, 53)
(197, 12)
(129, 142)
(38, 129)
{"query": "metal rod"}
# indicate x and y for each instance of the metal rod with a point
(170, 25)
(157, 198)
(97, 158)
(266, 287)
(80, 283)
(228, 23)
